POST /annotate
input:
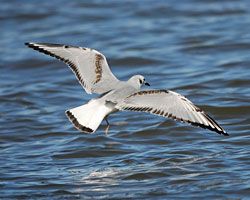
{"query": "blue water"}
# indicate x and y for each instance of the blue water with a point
(200, 49)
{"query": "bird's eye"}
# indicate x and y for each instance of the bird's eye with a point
(140, 81)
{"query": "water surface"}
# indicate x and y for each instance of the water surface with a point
(200, 49)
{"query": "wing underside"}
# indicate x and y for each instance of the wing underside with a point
(172, 105)
(89, 66)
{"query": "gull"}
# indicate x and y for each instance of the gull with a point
(93, 73)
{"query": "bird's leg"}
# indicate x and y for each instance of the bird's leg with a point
(108, 125)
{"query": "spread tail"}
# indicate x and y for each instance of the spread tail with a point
(88, 117)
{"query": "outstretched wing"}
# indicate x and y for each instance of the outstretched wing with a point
(171, 105)
(89, 66)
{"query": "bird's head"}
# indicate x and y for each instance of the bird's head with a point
(138, 81)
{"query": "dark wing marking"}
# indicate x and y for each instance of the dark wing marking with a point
(172, 105)
(89, 66)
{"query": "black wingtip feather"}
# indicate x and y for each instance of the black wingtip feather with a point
(215, 124)
(169, 115)
(42, 50)
(29, 44)
(74, 68)
(209, 128)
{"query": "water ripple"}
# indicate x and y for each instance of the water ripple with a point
(197, 48)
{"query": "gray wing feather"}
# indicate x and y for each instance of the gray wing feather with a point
(169, 104)
(89, 66)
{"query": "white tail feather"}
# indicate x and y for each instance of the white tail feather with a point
(88, 117)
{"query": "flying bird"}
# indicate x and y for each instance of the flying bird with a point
(92, 71)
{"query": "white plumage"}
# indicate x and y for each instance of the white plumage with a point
(93, 73)
(89, 116)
